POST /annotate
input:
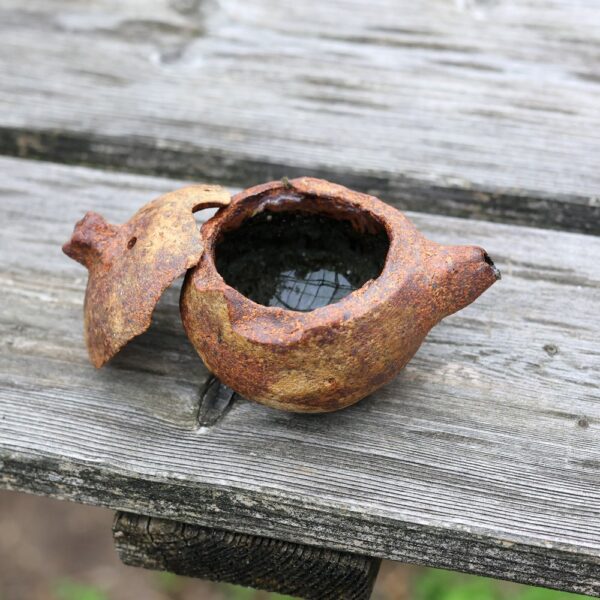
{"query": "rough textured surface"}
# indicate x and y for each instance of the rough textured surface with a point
(482, 456)
(474, 108)
(252, 561)
(334, 356)
(131, 265)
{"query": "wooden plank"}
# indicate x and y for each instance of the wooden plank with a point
(258, 562)
(482, 456)
(40, 204)
(471, 108)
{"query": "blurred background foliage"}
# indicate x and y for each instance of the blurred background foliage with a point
(423, 584)
(51, 550)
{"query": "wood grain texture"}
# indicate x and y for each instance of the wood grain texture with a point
(258, 562)
(482, 456)
(463, 107)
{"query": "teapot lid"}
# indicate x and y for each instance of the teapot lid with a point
(131, 265)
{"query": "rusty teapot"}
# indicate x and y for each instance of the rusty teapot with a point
(377, 287)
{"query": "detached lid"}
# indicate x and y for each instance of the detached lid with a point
(132, 264)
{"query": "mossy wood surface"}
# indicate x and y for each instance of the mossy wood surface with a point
(307, 572)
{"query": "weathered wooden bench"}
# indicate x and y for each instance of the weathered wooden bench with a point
(483, 455)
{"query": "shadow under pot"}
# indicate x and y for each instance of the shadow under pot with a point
(310, 296)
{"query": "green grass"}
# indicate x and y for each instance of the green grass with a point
(168, 582)
(436, 584)
(235, 592)
(66, 589)
(428, 584)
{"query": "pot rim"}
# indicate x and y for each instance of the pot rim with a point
(283, 324)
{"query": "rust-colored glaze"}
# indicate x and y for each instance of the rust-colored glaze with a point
(331, 357)
(131, 265)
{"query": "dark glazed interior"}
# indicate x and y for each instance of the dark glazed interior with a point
(300, 260)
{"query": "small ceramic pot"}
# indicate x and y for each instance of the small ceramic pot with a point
(333, 356)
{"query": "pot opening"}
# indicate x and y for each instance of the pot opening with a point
(299, 260)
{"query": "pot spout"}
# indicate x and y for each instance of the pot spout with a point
(463, 273)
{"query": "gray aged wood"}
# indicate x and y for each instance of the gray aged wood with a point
(482, 456)
(273, 565)
(467, 107)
